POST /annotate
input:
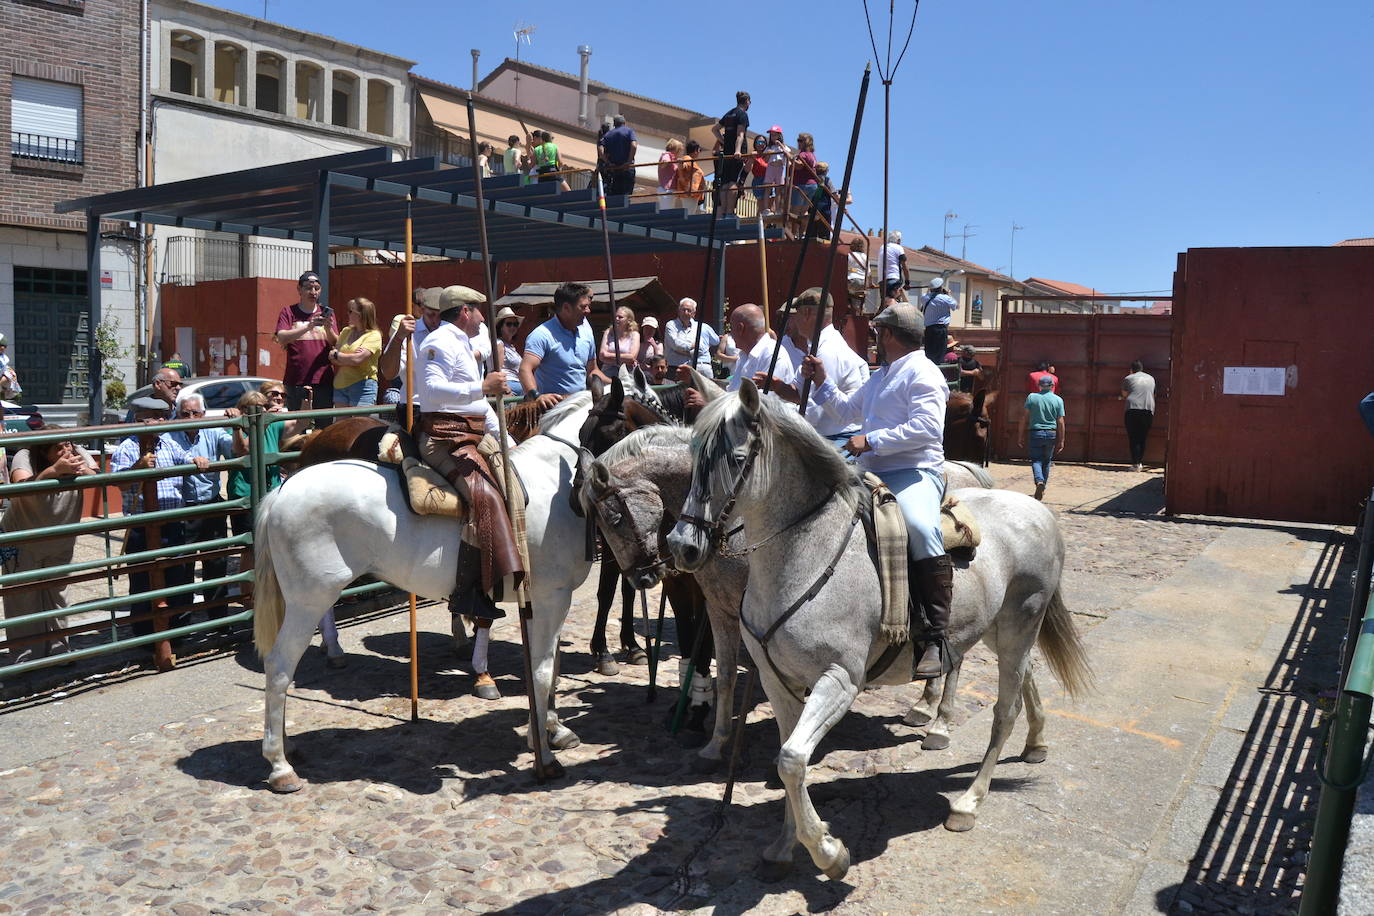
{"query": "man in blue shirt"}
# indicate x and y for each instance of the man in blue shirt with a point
(561, 352)
(619, 147)
(204, 447)
(936, 308)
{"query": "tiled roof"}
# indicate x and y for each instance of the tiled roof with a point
(1352, 243)
(563, 76)
(1059, 286)
(967, 265)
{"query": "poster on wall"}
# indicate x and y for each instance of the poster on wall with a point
(1253, 380)
(216, 345)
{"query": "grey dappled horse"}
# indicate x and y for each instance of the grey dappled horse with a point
(640, 482)
(811, 614)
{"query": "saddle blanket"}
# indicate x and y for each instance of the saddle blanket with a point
(958, 527)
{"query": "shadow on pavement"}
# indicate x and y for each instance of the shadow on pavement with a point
(1253, 854)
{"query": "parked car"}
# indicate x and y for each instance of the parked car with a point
(219, 391)
(17, 418)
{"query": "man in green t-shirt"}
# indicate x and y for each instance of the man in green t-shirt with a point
(1045, 414)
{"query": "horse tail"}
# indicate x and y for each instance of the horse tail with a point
(269, 608)
(1063, 647)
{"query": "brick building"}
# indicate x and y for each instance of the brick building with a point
(69, 97)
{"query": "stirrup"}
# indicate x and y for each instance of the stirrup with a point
(939, 666)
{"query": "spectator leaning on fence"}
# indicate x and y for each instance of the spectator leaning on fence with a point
(203, 488)
(60, 460)
(144, 449)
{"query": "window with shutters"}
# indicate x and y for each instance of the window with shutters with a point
(45, 121)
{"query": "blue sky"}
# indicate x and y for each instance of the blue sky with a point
(1117, 132)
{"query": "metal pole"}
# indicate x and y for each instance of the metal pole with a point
(706, 274)
(839, 216)
(610, 274)
(763, 278)
(410, 425)
(1341, 778)
(537, 736)
(810, 224)
(96, 371)
(887, 131)
(320, 243)
(1363, 564)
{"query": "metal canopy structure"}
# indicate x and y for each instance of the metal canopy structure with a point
(359, 200)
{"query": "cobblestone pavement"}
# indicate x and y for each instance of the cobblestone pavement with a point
(443, 813)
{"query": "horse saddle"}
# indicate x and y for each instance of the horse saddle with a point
(888, 545)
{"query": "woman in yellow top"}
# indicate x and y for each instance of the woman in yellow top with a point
(355, 356)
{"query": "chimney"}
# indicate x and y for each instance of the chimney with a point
(476, 53)
(582, 117)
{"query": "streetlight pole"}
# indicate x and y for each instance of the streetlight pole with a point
(1011, 259)
(949, 215)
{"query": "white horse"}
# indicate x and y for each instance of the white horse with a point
(812, 616)
(640, 483)
(332, 523)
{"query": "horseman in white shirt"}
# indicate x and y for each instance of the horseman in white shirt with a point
(756, 349)
(846, 369)
(902, 411)
(451, 423)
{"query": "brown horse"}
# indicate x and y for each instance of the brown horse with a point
(967, 425)
(358, 437)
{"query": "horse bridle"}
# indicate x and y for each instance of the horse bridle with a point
(716, 535)
(653, 562)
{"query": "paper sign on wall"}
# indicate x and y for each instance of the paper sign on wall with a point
(1253, 380)
(264, 358)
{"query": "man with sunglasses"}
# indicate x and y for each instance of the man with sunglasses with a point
(166, 386)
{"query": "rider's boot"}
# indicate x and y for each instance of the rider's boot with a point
(933, 581)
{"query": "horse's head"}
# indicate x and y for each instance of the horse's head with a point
(630, 514)
(725, 443)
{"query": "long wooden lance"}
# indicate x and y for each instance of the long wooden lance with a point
(710, 260)
(763, 276)
(790, 304)
(839, 218)
(526, 612)
(610, 274)
(410, 425)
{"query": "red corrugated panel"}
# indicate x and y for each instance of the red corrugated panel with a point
(1304, 455)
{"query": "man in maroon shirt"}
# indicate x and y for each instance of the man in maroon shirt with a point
(306, 331)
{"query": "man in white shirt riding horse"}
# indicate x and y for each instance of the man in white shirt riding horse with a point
(901, 409)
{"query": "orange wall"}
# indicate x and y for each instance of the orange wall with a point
(239, 311)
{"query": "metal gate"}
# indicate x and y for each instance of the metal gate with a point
(1091, 354)
(52, 335)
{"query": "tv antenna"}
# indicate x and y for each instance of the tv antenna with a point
(523, 33)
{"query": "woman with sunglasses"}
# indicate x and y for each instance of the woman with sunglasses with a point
(507, 326)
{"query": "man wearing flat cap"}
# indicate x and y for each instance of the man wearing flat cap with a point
(452, 421)
(901, 410)
(843, 367)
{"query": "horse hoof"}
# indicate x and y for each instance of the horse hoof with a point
(705, 765)
(959, 822)
(1035, 754)
(771, 872)
(285, 784)
(934, 742)
(564, 740)
(485, 688)
(336, 661)
(916, 717)
(840, 867)
(605, 664)
(634, 655)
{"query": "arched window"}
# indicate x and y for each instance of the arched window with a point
(379, 107)
(344, 100)
(268, 84)
(309, 91)
(184, 63)
(230, 75)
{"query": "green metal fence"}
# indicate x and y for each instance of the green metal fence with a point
(114, 627)
(1347, 747)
